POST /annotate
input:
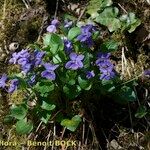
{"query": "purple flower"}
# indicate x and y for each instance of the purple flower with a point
(104, 55)
(68, 24)
(23, 61)
(14, 58)
(51, 28)
(3, 81)
(26, 68)
(24, 53)
(49, 72)
(49, 75)
(31, 81)
(88, 28)
(147, 72)
(90, 74)
(50, 67)
(20, 57)
(68, 46)
(107, 76)
(75, 62)
(27, 60)
(38, 55)
(55, 22)
(86, 35)
(13, 85)
(102, 59)
(105, 66)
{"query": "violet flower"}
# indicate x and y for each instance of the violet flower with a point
(68, 24)
(49, 72)
(26, 68)
(86, 35)
(31, 80)
(53, 27)
(147, 72)
(55, 22)
(3, 80)
(13, 86)
(90, 74)
(68, 46)
(14, 59)
(105, 66)
(107, 76)
(75, 62)
(38, 56)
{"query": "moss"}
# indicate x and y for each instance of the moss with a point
(21, 24)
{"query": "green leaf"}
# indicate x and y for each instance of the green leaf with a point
(84, 84)
(97, 5)
(109, 18)
(71, 91)
(109, 46)
(87, 60)
(24, 127)
(18, 112)
(48, 106)
(56, 43)
(47, 39)
(134, 26)
(73, 32)
(55, 39)
(57, 59)
(45, 89)
(125, 94)
(106, 3)
(71, 124)
(108, 86)
(8, 119)
(130, 22)
(45, 116)
(141, 112)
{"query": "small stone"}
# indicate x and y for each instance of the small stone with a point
(13, 46)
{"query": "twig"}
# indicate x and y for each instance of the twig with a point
(86, 141)
(56, 10)
(83, 132)
(82, 13)
(122, 62)
(131, 121)
(42, 27)
(38, 127)
(63, 132)
(48, 136)
(122, 8)
(25, 3)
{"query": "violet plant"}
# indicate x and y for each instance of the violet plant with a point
(64, 65)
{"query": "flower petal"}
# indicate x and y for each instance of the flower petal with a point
(73, 56)
(48, 75)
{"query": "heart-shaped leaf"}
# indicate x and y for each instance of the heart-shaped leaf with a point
(109, 46)
(84, 84)
(18, 112)
(48, 106)
(73, 32)
(24, 127)
(71, 124)
(97, 5)
(109, 18)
